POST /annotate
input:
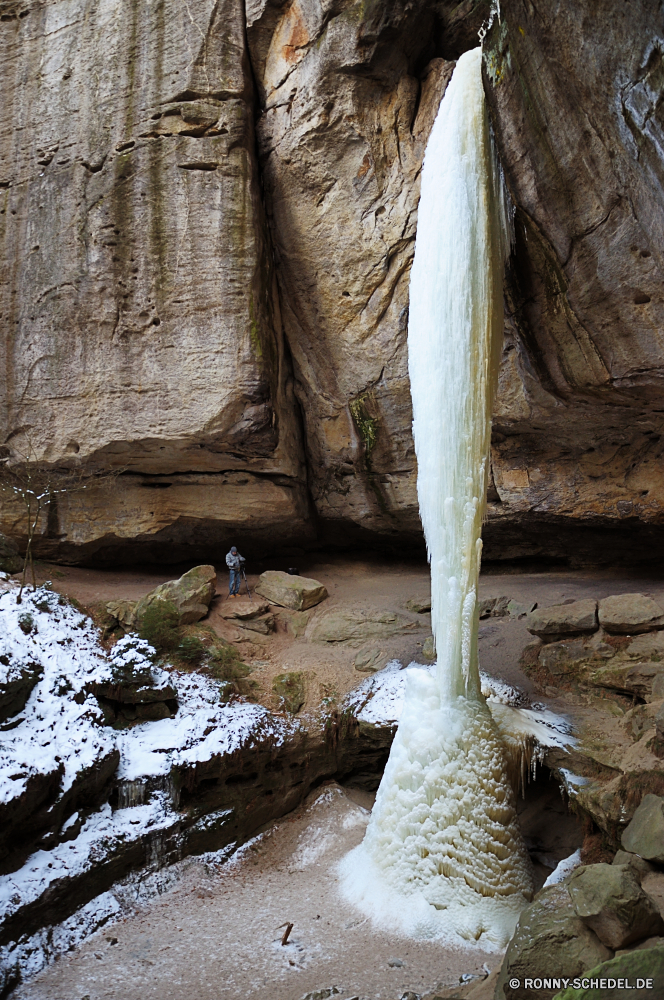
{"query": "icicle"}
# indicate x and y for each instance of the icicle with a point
(131, 793)
(443, 853)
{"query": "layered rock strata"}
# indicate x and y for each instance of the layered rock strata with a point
(141, 325)
(578, 121)
(208, 219)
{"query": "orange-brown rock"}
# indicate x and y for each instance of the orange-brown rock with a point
(206, 252)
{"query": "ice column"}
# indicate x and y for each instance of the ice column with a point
(443, 854)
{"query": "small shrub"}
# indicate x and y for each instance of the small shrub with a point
(191, 650)
(45, 601)
(160, 626)
(225, 664)
(131, 660)
(26, 623)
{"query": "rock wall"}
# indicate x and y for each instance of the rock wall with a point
(576, 104)
(208, 220)
(140, 317)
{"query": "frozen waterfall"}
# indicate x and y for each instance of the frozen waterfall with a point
(443, 854)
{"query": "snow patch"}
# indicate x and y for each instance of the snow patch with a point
(61, 734)
(564, 868)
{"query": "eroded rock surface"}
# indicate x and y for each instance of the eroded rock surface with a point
(616, 763)
(138, 287)
(576, 106)
(208, 219)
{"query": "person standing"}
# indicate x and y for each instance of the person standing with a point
(234, 561)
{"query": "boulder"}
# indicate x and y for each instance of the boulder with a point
(549, 937)
(630, 614)
(11, 560)
(290, 690)
(644, 835)
(369, 660)
(640, 964)
(652, 882)
(17, 679)
(420, 605)
(609, 899)
(504, 607)
(519, 609)
(122, 611)
(573, 656)
(577, 618)
(354, 627)
(638, 679)
(295, 592)
(263, 625)
(297, 623)
(243, 610)
(640, 867)
(429, 648)
(191, 595)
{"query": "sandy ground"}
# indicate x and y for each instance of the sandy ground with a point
(360, 583)
(217, 934)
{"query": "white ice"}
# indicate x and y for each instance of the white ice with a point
(443, 854)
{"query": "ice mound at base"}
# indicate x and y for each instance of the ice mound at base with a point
(443, 855)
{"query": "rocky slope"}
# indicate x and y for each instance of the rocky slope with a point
(208, 219)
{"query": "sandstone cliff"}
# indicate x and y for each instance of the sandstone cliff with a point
(208, 219)
(575, 92)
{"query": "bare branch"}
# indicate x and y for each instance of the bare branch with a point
(35, 484)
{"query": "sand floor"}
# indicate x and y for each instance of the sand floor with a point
(360, 583)
(216, 935)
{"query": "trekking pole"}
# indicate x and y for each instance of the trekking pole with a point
(247, 585)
